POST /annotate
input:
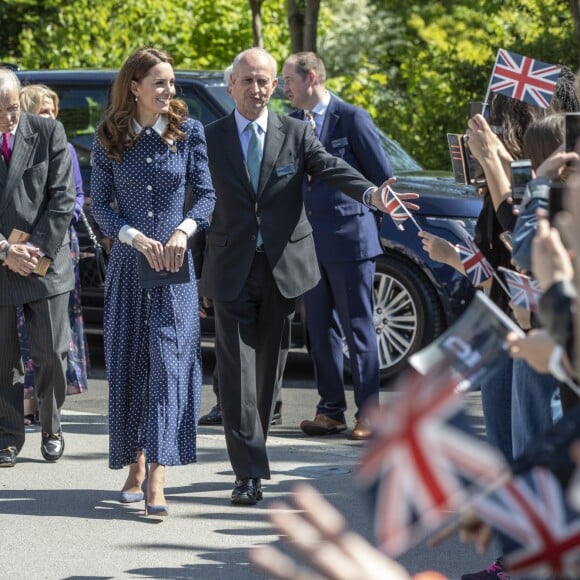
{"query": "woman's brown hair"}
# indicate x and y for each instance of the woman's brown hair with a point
(543, 137)
(116, 132)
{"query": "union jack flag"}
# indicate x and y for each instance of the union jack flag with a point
(422, 464)
(477, 267)
(524, 78)
(525, 292)
(396, 208)
(530, 510)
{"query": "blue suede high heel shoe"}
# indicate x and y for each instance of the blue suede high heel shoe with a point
(151, 509)
(131, 496)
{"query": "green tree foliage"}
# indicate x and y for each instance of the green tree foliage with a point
(414, 65)
(102, 33)
(421, 63)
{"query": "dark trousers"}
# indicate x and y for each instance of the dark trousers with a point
(48, 330)
(341, 304)
(278, 387)
(253, 338)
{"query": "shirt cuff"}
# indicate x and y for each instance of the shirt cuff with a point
(366, 197)
(127, 234)
(40, 253)
(188, 226)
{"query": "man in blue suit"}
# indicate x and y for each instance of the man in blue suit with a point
(347, 242)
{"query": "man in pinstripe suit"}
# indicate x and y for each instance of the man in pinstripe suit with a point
(37, 196)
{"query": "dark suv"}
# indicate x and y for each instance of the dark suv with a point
(416, 299)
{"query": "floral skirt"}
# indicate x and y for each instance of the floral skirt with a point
(78, 355)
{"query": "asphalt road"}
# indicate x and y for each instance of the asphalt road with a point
(63, 521)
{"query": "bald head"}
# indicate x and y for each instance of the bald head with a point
(8, 80)
(9, 100)
(253, 81)
(255, 54)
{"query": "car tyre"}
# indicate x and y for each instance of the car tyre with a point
(407, 313)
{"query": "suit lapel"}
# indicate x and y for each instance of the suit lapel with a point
(24, 144)
(3, 175)
(233, 151)
(274, 139)
(330, 121)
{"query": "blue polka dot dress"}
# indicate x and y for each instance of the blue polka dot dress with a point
(151, 336)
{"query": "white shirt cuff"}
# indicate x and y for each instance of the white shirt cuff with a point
(188, 226)
(127, 234)
(40, 253)
(370, 190)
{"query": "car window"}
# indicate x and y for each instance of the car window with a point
(81, 109)
(200, 106)
(221, 95)
(400, 160)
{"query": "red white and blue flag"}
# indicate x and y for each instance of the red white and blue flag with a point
(477, 267)
(471, 346)
(524, 78)
(531, 512)
(422, 464)
(525, 292)
(396, 208)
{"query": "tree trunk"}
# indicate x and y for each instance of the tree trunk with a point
(295, 24)
(257, 28)
(575, 6)
(311, 25)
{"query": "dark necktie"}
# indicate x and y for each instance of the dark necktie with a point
(6, 151)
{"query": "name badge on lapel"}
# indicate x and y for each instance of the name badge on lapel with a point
(282, 170)
(338, 143)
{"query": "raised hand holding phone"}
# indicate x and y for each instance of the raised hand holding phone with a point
(521, 174)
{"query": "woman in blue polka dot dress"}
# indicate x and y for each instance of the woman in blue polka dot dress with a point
(147, 152)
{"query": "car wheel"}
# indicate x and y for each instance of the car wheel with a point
(407, 315)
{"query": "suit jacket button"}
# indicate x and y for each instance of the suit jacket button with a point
(253, 238)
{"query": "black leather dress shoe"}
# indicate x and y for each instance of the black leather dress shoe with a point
(247, 491)
(8, 457)
(52, 446)
(214, 417)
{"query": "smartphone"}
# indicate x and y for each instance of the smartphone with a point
(466, 169)
(474, 108)
(555, 200)
(474, 170)
(571, 130)
(521, 173)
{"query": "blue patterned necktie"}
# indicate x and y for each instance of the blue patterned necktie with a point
(310, 119)
(254, 156)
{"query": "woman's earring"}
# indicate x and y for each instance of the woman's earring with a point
(136, 98)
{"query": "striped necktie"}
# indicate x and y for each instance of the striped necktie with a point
(310, 119)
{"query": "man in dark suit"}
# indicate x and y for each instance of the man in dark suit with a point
(37, 197)
(260, 253)
(347, 242)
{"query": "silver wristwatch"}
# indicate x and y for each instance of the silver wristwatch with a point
(368, 198)
(4, 250)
